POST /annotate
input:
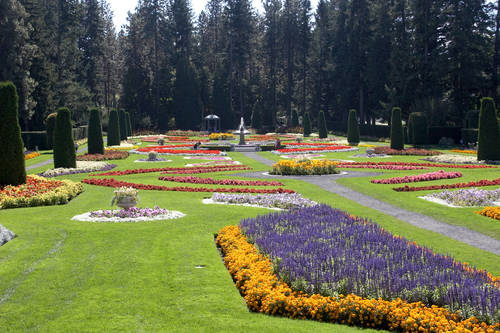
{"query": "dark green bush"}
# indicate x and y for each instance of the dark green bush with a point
(123, 125)
(12, 167)
(419, 134)
(323, 131)
(95, 142)
(64, 145)
(113, 129)
(50, 123)
(488, 146)
(409, 130)
(472, 119)
(307, 125)
(405, 133)
(469, 135)
(352, 128)
(295, 119)
(129, 124)
(397, 137)
(256, 119)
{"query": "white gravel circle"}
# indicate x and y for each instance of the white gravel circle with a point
(172, 214)
(211, 202)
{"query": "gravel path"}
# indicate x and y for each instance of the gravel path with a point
(327, 182)
(41, 164)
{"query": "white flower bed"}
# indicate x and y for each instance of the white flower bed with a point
(454, 159)
(172, 214)
(152, 161)
(81, 167)
(211, 202)
(122, 145)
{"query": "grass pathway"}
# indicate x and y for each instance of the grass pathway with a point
(328, 183)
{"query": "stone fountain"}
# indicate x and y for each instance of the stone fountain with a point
(242, 145)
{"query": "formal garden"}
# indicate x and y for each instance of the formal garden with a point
(177, 232)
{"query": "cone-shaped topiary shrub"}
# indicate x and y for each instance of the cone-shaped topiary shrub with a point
(12, 167)
(488, 147)
(64, 145)
(295, 119)
(352, 128)
(113, 129)
(409, 130)
(123, 125)
(307, 125)
(50, 123)
(323, 131)
(256, 120)
(397, 137)
(472, 119)
(129, 124)
(96, 145)
(419, 132)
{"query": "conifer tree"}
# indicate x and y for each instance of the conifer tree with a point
(113, 129)
(129, 124)
(64, 145)
(397, 137)
(122, 121)
(50, 123)
(323, 131)
(307, 125)
(352, 128)
(95, 141)
(489, 135)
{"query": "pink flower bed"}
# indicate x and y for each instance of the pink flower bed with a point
(418, 178)
(414, 164)
(199, 180)
(483, 182)
(300, 150)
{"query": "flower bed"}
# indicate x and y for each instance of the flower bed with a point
(324, 250)
(31, 154)
(123, 146)
(314, 149)
(221, 136)
(133, 214)
(81, 167)
(264, 292)
(302, 156)
(414, 164)
(467, 197)
(213, 163)
(492, 212)
(38, 191)
(153, 148)
(449, 158)
(167, 151)
(111, 182)
(206, 181)
(409, 151)
(304, 167)
(108, 155)
(478, 183)
(366, 165)
(280, 200)
(464, 151)
(207, 169)
(152, 138)
(418, 178)
(211, 158)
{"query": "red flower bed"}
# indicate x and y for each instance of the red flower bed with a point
(199, 180)
(217, 168)
(176, 138)
(108, 155)
(166, 150)
(478, 183)
(153, 148)
(34, 186)
(152, 138)
(418, 178)
(409, 151)
(416, 164)
(111, 182)
(315, 144)
(298, 150)
(379, 166)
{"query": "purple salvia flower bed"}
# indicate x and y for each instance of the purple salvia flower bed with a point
(323, 250)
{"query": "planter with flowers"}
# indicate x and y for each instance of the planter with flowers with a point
(125, 197)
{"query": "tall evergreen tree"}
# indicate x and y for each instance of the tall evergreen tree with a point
(187, 102)
(489, 134)
(397, 137)
(122, 121)
(113, 128)
(64, 145)
(95, 141)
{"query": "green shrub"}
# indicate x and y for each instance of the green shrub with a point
(295, 119)
(472, 119)
(307, 125)
(64, 145)
(113, 129)
(397, 137)
(409, 130)
(488, 146)
(405, 133)
(95, 142)
(419, 134)
(129, 124)
(323, 131)
(123, 125)
(12, 167)
(50, 122)
(352, 128)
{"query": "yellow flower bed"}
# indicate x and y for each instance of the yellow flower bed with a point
(31, 155)
(221, 136)
(59, 195)
(304, 167)
(264, 292)
(493, 212)
(120, 148)
(367, 145)
(472, 152)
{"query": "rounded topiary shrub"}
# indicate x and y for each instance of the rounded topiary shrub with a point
(397, 137)
(12, 167)
(123, 125)
(64, 145)
(352, 128)
(96, 144)
(113, 129)
(50, 123)
(323, 131)
(488, 147)
(419, 134)
(129, 124)
(307, 125)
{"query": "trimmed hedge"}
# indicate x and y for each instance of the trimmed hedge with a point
(123, 124)
(64, 145)
(419, 132)
(323, 131)
(12, 165)
(95, 141)
(488, 147)
(307, 125)
(113, 129)
(352, 128)
(397, 137)
(129, 124)
(50, 123)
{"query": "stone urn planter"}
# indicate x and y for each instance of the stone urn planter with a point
(126, 202)
(125, 197)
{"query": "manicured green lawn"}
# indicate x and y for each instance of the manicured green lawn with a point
(61, 275)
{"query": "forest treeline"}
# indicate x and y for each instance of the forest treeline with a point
(169, 69)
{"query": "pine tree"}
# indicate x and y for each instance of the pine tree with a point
(323, 131)
(64, 145)
(113, 128)
(187, 102)
(122, 121)
(397, 137)
(419, 128)
(295, 119)
(352, 128)
(95, 141)
(307, 125)
(12, 165)
(50, 123)
(220, 99)
(489, 134)
(129, 124)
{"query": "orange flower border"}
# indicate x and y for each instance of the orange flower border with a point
(492, 212)
(265, 293)
(464, 151)
(31, 155)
